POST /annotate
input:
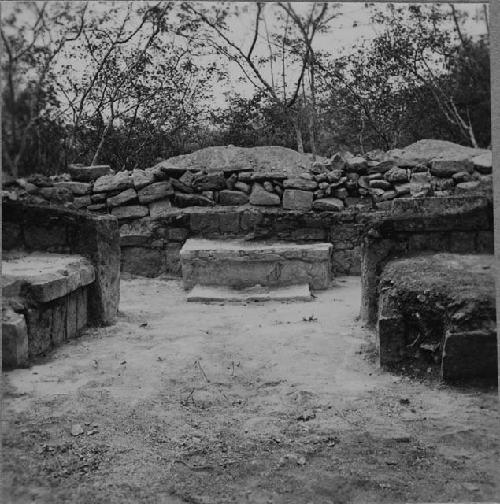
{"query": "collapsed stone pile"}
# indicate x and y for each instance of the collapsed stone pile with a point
(427, 168)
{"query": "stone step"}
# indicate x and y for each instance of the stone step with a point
(222, 294)
(240, 263)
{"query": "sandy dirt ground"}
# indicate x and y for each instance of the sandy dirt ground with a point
(262, 403)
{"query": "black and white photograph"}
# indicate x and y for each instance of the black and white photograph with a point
(248, 252)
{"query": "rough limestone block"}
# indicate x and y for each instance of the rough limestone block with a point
(14, 340)
(130, 212)
(469, 355)
(143, 261)
(229, 222)
(233, 198)
(141, 178)
(137, 232)
(122, 198)
(119, 181)
(48, 276)
(483, 163)
(173, 258)
(159, 209)
(328, 205)
(88, 173)
(448, 167)
(300, 183)
(81, 309)
(260, 197)
(239, 263)
(58, 331)
(77, 188)
(71, 315)
(154, 192)
(39, 322)
(391, 333)
(295, 199)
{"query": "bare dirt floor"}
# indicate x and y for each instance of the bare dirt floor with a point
(262, 403)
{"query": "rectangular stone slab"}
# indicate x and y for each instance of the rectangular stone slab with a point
(44, 276)
(238, 263)
(217, 294)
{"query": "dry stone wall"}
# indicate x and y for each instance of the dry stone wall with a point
(270, 192)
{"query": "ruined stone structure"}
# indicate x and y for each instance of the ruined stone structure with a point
(61, 272)
(268, 216)
(428, 286)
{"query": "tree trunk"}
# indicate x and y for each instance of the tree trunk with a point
(101, 143)
(298, 134)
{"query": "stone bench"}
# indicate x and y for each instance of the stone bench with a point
(439, 310)
(239, 263)
(44, 302)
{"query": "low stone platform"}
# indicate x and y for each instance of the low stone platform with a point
(239, 263)
(439, 310)
(44, 302)
(210, 294)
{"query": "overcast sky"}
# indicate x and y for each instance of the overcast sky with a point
(348, 29)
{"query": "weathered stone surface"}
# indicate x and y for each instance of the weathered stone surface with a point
(420, 190)
(402, 189)
(230, 181)
(122, 198)
(177, 234)
(45, 277)
(159, 209)
(462, 177)
(483, 163)
(14, 340)
(294, 199)
(442, 184)
(77, 188)
(267, 175)
(470, 354)
(57, 194)
(39, 324)
(260, 197)
(382, 167)
(214, 181)
(235, 198)
(185, 200)
(242, 186)
(465, 187)
(92, 236)
(211, 294)
(357, 164)
(173, 258)
(242, 264)
(142, 178)
(328, 204)
(268, 186)
(130, 212)
(187, 178)
(231, 159)
(396, 175)
(180, 186)
(82, 201)
(300, 183)
(143, 261)
(156, 191)
(435, 298)
(117, 182)
(98, 207)
(380, 184)
(82, 173)
(137, 232)
(448, 167)
(425, 150)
